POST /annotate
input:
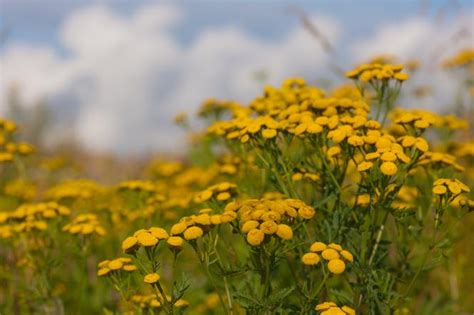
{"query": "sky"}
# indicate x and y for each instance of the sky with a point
(115, 73)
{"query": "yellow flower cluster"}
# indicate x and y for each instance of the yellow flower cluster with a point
(221, 192)
(309, 113)
(452, 187)
(389, 151)
(21, 189)
(374, 71)
(110, 267)
(331, 308)
(422, 119)
(195, 226)
(30, 217)
(462, 59)
(85, 224)
(262, 219)
(333, 253)
(8, 148)
(144, 238)
(75, 189)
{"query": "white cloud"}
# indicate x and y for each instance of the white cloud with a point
(130, 76)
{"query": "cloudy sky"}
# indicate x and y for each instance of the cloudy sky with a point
(119, 71)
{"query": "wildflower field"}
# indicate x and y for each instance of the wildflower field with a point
(304, 201)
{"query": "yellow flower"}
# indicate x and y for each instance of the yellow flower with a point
(129, 268)
(178, 228)
(151, 278)
(334, 311)
(249, 225)
(284, 232)
(347, 255)
(102, 272)
(223, 196)
(317, 247)
(269, 133)
(175, 242)
(421, 144)
(388, 156)
(269, 227)
(310, 259)
(355, 141)
(325, 306)
(334, 151)
(255, 237)
(364, 166)
(193, 233)
(129, 244)
(147, 240)
(115, 264)
(159, 233)
(440, 190)
(330, 254)
(336, 266)
(306, 212)
(400, 76)
(388, 168)
(335, 246)
(348, 310)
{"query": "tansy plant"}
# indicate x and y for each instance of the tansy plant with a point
(303, 201)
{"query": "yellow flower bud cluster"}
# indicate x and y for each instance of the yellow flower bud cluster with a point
(221, 192)
(45, 210)
(422, 119)
(462, 59)
(74, 189)
(449, 187)
(374, 71)
(109, 267)
(8, 147)
(263, 219)
(21, 189)
(334, 254)
(85, 224)
(331, 308)
(30, 217)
